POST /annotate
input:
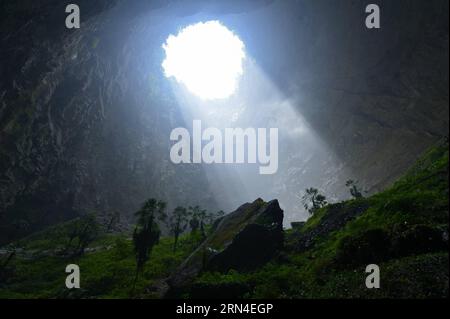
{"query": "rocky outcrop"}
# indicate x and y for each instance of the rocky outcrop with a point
(335, 216)
(242, 240)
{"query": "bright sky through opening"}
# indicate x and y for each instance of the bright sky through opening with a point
(207, 58)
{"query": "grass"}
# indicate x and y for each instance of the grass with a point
(392, 232)
(106, 273)
(399, 229)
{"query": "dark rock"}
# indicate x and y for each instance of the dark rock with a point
(377, 245)
(158, 288)
(335, 217)
(242, 240)
(419, 239)
(251, 248)
(362, 249)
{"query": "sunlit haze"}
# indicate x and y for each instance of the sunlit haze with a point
(205, 57)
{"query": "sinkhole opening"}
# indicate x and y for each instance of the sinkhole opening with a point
(207, 58)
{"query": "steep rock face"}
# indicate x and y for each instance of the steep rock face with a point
(81, 125)
(85, 114)
(377, 98)
(242, 240)
(49, 114)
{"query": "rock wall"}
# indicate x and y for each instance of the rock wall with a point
(85, 114)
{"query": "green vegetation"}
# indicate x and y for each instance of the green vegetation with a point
(146, 234)
(107, 267)
(83, 232)
(401, 229)
(178, 223)
(354, 188)
(404, 230)
(312, 200)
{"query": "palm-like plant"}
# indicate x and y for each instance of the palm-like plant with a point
(146, 234)
(312, 200)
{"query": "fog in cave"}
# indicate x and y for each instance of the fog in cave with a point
(349, 103)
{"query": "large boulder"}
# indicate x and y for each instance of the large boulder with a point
(242, 240)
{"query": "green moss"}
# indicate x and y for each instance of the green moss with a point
(399, 229)
(314, 220)
(105, 273)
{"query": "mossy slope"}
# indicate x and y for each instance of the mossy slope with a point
(404, 230)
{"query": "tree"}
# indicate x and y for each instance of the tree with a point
(178, 223)
(113, 220)
(312, 200)
(354, 188)
(146, 233)
(204, 218)
(219, 214)
(194, 221)
(200, 218)
(89, 230)
(84, 231)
